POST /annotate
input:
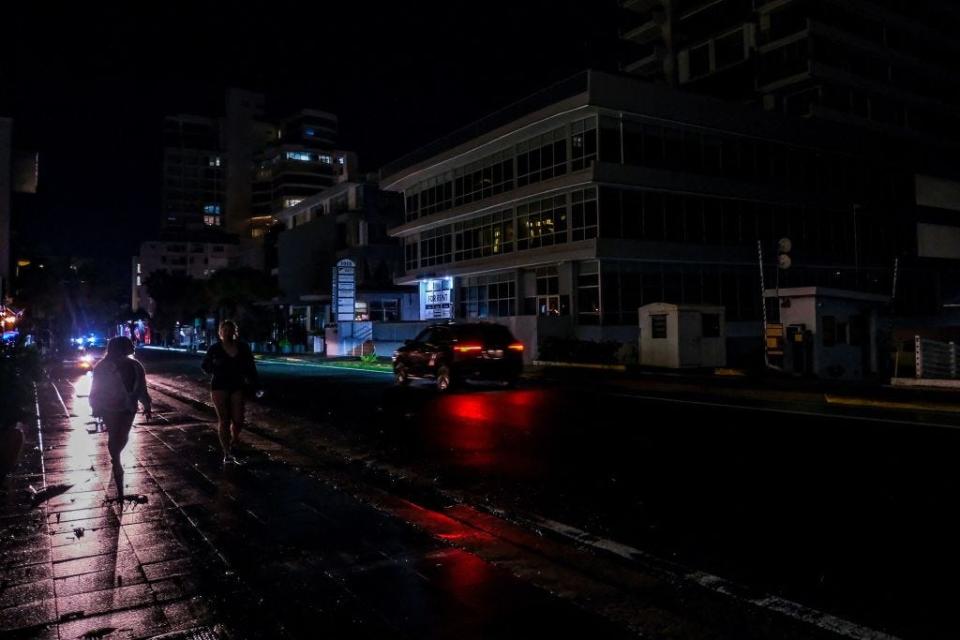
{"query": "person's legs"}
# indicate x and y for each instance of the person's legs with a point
(221, 402)
(237, 414)
(118, 433)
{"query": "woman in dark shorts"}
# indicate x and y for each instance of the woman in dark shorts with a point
(230, 363)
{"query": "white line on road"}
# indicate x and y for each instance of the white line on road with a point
(816, 414)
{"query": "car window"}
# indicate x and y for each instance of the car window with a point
(491, 333)
(423, 335)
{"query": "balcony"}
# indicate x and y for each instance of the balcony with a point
(648, 65)
(642, 6)
(649, 31)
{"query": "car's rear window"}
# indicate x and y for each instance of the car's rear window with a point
(494, 333)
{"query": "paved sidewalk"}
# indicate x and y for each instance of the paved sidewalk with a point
(268, 549)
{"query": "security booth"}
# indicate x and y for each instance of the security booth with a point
(682, 335)
(828, 333)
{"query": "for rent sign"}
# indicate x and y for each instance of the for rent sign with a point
(436, 299)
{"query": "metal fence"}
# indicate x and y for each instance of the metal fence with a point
(937, 360)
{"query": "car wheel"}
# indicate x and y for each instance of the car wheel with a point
(400, 375)
(444, 378)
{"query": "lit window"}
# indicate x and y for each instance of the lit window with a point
(213, 209)
(309, 132)
(138, 268)
(342, 160)
(214, 161)
(211, 221)
(292, 202)
(326, 159)
(138, 279)
(300, 156)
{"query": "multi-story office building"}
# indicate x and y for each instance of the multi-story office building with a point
(883, 66)
(349, 220)
(195, 254)
(194, 173)
(298, 162)
(238, 171)
(569, 210)
(886, 64)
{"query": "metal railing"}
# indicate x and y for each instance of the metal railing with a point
(935, 360)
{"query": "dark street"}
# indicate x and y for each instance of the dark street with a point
(846, 514)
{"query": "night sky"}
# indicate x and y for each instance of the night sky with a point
(88, 86)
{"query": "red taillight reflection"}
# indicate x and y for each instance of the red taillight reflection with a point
(516, 346)
(466, 348)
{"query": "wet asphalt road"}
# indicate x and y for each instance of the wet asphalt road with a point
(855, 517)
(267, 549)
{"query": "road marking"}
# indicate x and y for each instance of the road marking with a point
(66, 412)
(822, 620)
(815, 414)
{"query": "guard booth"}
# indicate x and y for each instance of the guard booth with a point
(682, 335)
(828, 333)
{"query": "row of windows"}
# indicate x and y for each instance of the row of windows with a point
(486, 296)
(541, 158)
(826, 233)
(530, 225)
(637, 143)
(484, 236)
(671, 148)
(655, 217)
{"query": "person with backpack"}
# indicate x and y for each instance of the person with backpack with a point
(119, 383)
(233, 372)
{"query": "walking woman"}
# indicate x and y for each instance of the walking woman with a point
(119, 383)
(230, 363)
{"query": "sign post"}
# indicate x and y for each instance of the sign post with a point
(344, 290)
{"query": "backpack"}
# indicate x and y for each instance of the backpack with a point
(108, 394)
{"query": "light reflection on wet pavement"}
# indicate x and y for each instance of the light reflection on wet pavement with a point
(265, 549)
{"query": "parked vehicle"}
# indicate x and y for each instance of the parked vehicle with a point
(450, 354)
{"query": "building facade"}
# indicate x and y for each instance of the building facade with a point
(347, 221)
(191, 254)
(236, 172)
(194, 173)
(571, 209)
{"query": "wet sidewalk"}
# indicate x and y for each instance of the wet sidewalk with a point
(268, 549)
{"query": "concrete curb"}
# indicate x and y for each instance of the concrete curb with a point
(886, 404)
(925, 383)
(579, 365)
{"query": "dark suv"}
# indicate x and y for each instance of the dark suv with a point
(452, 353)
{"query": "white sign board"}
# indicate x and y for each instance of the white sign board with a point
(436, 299)
(344, 290)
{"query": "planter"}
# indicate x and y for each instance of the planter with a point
(11, 441)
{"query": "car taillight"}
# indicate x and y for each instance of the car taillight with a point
(467, 348)
(516, 346)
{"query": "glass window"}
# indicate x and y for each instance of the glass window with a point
(299, 156)
(658, 326)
